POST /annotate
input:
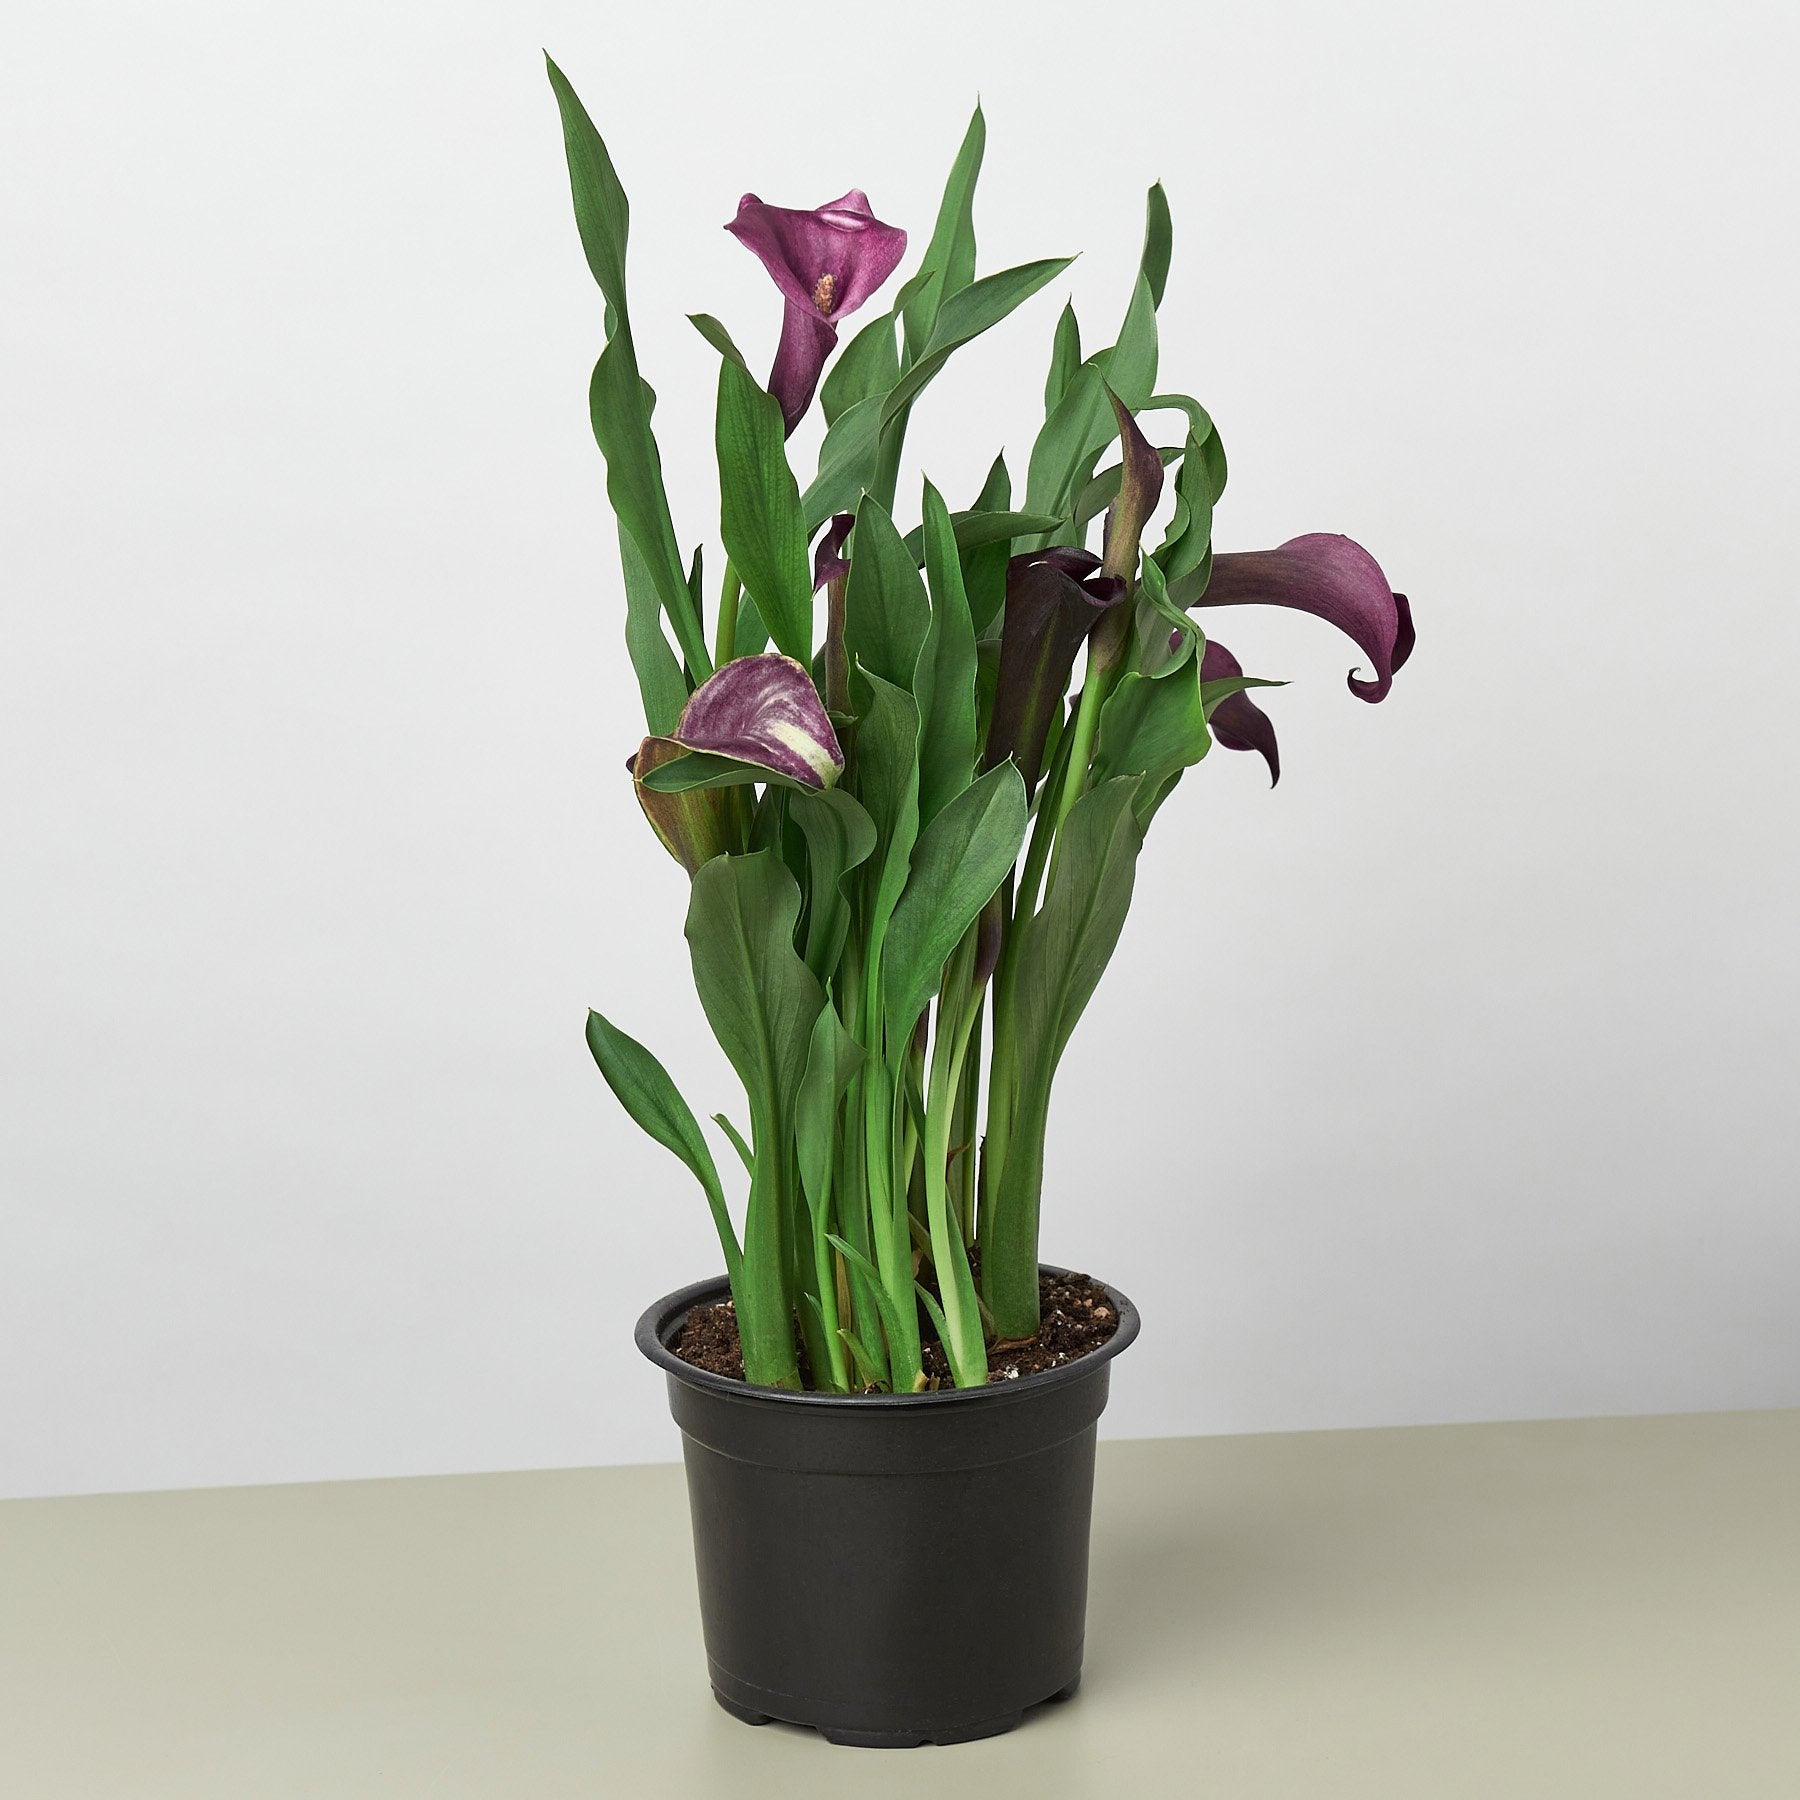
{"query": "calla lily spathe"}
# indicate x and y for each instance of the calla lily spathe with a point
(826, 263)
(764, 710)
(1334, 578)
(1054, 599)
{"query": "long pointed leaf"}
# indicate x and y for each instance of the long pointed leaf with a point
(761, 1001)
(961, 859)
(759, 509)
(944, 680)
(654, 1102)
(949, 260)
(979, 307)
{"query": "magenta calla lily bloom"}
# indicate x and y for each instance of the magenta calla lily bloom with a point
(1334, 579)
(826, 262)
(764, 710)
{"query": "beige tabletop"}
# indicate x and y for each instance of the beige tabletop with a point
(1585, 1609)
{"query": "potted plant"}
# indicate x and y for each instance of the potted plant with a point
(911, 852)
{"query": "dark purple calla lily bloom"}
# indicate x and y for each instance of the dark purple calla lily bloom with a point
(1237, 722)
(1332, 578)
(764, 710)
(826, 262)
(1054, 598)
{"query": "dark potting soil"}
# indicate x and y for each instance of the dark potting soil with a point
(1076, 1317)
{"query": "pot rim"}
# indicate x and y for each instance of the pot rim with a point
(664, 1317)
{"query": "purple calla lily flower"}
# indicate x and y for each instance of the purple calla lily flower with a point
(1054, 598)
(1237, 722)
(764, 710)
(826, 262)
(1334, 579)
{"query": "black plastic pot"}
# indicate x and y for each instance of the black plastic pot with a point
(894, 1569)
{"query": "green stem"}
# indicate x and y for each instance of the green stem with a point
(956, 1289)
(825, 1263)
(888, 1211)
(725, 639)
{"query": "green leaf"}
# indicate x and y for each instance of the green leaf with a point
(1158, 242)
(602, 214)
(644, 1089)
(704, 769)
(886, 614)
(720, 339)
(759, 509)
(846, 462)
(1212, 451)
(1190, 531)
(745, 1155)
(1159, 617)
(886, 766)
(1062, 457)
(866, 1366)
(761, 1001)
(840, 836)
(966, 315)
(1083, 423)
(929, 1301)
(1212, 692)
(660, 681)
(1130, 365)
(1065, 358)
(984, 569)
(832, 1061)
(863, 1271)
(619, 402)
(1057, 959)
(620, 412)
(1063, 949)
(961, 859)
(975, 530)
(944, 680)
(950, 256)
(868, 365)
(1200, 424)
(1152, 728)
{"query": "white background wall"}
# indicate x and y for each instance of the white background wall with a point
(1455, 1079)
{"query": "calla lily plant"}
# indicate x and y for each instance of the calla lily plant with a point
(908, 773)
